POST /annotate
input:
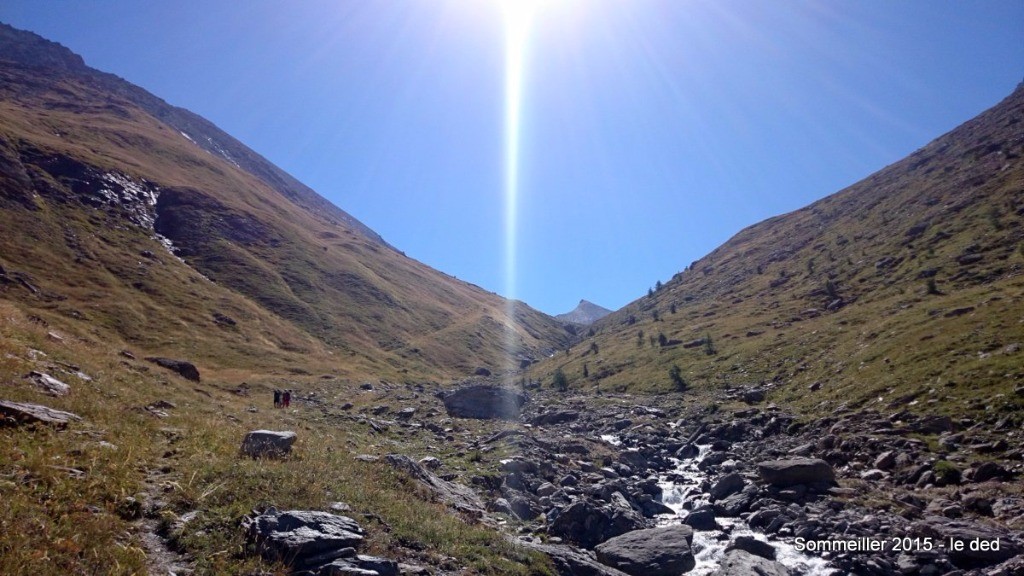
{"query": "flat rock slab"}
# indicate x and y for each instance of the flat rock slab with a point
(651, 552)
(569, 560)
(187, 370)
(460, 497)
(793, 471)
(305, 538)
(999, 544)
(48, 384)
(484, 402)
(268, 443)
(741, 563)
(360, 566)
(25, 413)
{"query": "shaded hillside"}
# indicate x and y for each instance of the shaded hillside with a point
(91, 168)
(28, 49)
(904, 290)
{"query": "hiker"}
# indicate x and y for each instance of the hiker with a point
(287, 398)
(277, 398)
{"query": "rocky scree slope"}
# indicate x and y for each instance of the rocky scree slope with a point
(582, 479)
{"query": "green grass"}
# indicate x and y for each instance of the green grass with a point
(60, 522)
(763, 295)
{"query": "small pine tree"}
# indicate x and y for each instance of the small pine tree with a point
(672, 308)
(586, 372)
(933, 288)
(654, 314)
(662, 340)
(559, 381)
(675, 375)
(640, 339)
(593, 348)
(650, 292)
(709, 346)
(657, 285)
(831, 290)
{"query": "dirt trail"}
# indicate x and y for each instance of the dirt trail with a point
(161, 558)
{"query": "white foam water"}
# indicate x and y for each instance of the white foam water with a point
(682, 485)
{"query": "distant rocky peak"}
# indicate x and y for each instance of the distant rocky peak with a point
(585, 313)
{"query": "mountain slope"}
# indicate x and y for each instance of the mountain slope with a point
(904, 290)
(91, 167)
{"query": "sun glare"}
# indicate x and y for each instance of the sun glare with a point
(517, 15)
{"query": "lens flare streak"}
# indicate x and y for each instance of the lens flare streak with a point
(517, 24)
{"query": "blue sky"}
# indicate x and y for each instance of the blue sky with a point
(652, 131)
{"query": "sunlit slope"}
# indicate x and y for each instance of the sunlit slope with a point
(295, 279)
(904, 290)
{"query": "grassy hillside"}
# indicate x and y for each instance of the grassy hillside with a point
(903, 291)
(81, 166)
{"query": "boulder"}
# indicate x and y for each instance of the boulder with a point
(484, 402)
(268, 443)
(741, 563)
(187, 370)
(304, 539)
(546, 489)
(587, 524)
(753, 546)
(727, 485)
(737, 503)
(651, 552)
(886, 460)
(48, 384)
(990, 471)
(556, 417)
(793, 471)
(688, 451)
(25, 413)
(702, 518)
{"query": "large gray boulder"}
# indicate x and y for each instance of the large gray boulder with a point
(268, 443)
(741, 563)
(727, 486)
(304, 539)
(587, 524)
(484, 402)
(652, 552)
(793, 471)
(187, 370)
